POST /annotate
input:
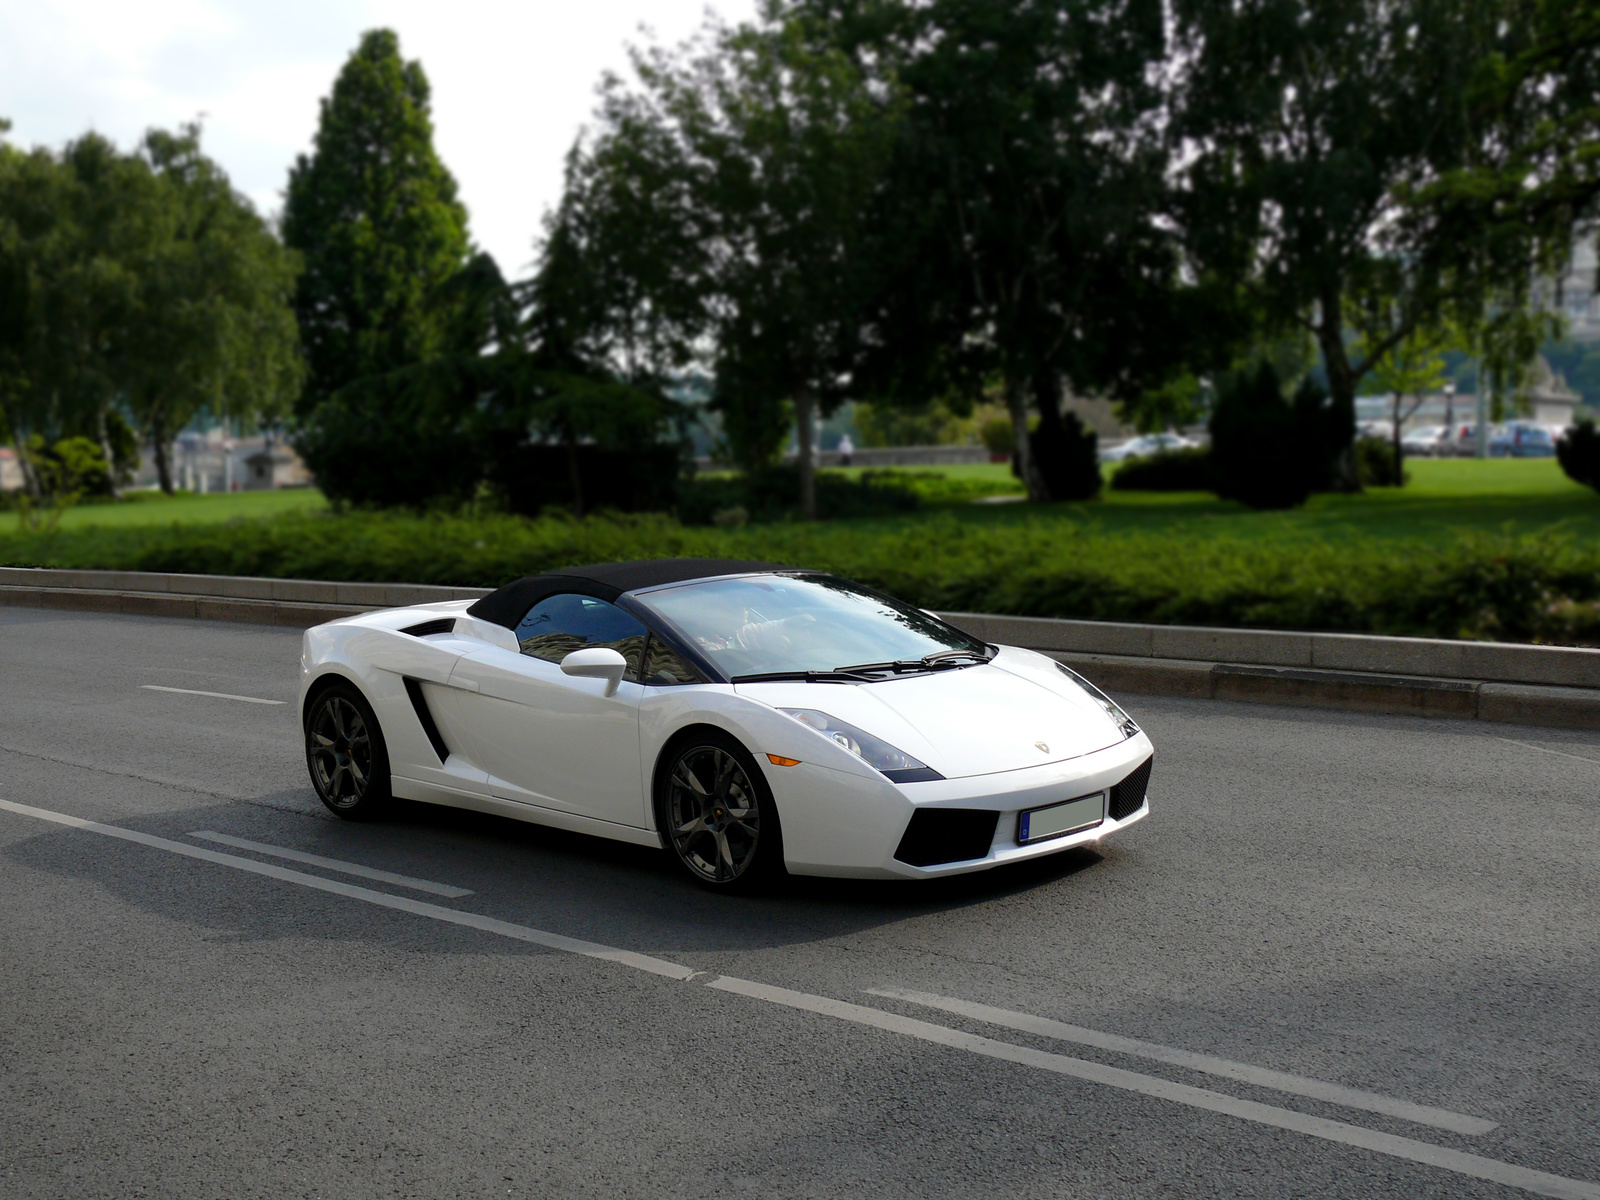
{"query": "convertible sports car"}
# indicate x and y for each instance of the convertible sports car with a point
(748, 718)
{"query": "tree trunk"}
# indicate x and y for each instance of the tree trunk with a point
(574, 476)
(1027, 470)
(1399, 452)
(163, 452)
(1341, 383)
(805, 406)
(105, 450)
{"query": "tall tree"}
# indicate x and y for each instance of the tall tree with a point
(212, 328)
(375, 217)
(778, 142)
(1021, 233)
(1374, 167)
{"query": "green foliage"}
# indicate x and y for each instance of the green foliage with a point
(1187, 470)
(138, 283)
(1374, 216)
(1019, 218)
(1377, 463)
(1065, 456)
(407, 439)
(1514, 588)
(1256, 449)
(1579, 454)
(375, 216)
(998, 435)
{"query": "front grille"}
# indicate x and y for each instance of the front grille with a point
(946, 835)
(1127, 796)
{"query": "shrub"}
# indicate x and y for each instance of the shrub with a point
(530, 478)
(1377, 463)
(1258, 447)
(998, 436)
(1169, 471)
(1578, 452)
(1067, 460)
(402, 452)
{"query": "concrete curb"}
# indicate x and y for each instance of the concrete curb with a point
(1526, 685)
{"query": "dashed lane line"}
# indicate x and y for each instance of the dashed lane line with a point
(156, 687)
(1475, 1166)
(336, 864)
(1280, 1081)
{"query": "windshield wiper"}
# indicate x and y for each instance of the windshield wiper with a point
(938, 661)
(841, 675)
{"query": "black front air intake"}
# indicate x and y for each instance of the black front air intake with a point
(1127, 796)
(947, 835)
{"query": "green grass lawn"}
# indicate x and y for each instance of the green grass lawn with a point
(144, 508)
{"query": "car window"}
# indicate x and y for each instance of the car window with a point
(762, 623)
(558, 625)
(665, 667)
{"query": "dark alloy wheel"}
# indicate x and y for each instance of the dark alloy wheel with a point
(345, 751)
(717, 814)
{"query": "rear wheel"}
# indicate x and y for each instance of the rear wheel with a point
(716, 814)
(346, 753)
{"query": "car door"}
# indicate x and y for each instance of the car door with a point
(551, 740)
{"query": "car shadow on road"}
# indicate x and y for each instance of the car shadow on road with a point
(572, 884)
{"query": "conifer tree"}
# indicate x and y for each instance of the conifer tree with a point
(374, 214)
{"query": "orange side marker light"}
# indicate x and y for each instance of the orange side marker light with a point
(779, 760)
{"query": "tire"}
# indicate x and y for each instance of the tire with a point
(716, 814)
(346, 754)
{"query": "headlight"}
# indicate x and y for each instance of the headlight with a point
(1113, 710)
(899, 766)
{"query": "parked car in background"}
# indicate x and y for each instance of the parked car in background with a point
(1150, 443)
(1430, 441)
(1525, 439)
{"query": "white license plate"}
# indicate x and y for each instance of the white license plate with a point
(1058, 820)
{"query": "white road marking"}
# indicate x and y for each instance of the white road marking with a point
(1475, 1166)
(334, 864)
(421, 908)
(1543, 750)
(1279, 1081)
(155, 687)
(1539, 1182)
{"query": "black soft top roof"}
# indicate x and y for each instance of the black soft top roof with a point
(606, 581)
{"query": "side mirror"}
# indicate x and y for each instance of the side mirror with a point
(599, 662)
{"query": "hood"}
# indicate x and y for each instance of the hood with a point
(971, 721)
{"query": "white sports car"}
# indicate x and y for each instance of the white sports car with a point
(746, 717)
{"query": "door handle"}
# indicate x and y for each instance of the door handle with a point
(466, 685)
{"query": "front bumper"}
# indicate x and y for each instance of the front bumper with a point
(850, 826)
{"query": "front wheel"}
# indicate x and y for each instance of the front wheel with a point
(716, 814)
(346, 753)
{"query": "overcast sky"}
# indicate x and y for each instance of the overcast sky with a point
(512, 82)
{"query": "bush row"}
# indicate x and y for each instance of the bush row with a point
(1529, 588)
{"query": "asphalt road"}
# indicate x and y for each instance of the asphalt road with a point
(1405, 909)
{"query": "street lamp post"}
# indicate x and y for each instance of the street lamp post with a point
(1450, 411)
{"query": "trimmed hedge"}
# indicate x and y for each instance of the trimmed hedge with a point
(1530, 588)
(1186, 470)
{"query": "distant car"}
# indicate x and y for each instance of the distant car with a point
(744, 717)
(1150, 443)
(1427, 442)
(1524, 439)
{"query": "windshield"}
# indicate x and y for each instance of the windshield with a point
(761, 624)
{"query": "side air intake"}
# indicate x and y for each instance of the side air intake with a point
(946, 835)
(419, 702)
(440, 625)
(1128, 796)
